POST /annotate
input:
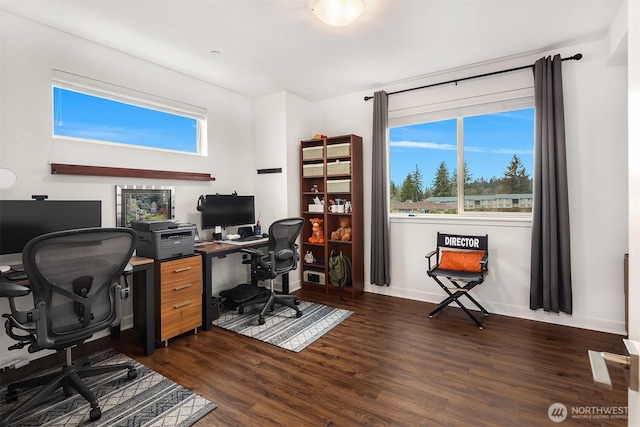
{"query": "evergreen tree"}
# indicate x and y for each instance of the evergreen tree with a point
(442, 184)
(515, 179)
(467, 179)
(417, 182)
(411, 189)
(393, 190)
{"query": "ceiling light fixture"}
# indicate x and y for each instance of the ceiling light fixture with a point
(337, 13)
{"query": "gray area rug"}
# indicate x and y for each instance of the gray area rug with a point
(281, 327)
(150, 399)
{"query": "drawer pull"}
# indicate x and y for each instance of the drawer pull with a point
(180, 270)
(182, 305)
(179, 288)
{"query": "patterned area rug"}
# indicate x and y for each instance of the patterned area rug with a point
(150, 399)
(281, 327)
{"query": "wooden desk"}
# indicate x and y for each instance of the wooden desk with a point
(212, 250)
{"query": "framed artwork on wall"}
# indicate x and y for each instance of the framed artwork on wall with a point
(144, 203)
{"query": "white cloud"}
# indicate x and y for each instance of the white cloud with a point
(426, 145)
(450, 147)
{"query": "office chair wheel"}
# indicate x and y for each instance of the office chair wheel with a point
(95, 414)
(297, 302)
(241, 310)
(261, 320)
(67, 390)
(298, 314)
(12, 396)
(132, 374)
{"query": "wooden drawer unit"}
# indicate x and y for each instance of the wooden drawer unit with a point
(178, 297)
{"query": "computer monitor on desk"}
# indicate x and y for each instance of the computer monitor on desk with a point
(22, 220)
(224, 210)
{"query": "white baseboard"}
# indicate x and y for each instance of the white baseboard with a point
(576, 321)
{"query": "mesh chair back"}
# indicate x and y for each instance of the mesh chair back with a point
(73, 276)
(282, 241)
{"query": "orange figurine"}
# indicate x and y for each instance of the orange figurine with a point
(317, 235)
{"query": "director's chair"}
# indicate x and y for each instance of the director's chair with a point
(464, 263)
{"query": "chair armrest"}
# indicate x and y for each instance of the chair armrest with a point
(429, 256)
(253, 252)
(484, 261)
(13, 290)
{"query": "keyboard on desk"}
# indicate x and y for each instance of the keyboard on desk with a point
(15, 275)
(247, 240)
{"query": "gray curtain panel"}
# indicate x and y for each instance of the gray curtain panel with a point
(550, 243)
(379, 203)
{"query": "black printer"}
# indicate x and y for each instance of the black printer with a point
(163, 239)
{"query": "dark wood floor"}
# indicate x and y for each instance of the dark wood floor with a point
(390, 365)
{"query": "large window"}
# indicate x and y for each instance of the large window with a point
(468, 163)
(93, 111)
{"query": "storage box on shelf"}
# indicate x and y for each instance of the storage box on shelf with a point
(315, 169)
(339, 162)
(339, 168)
(339, 186)
(337, 150)
(313, 153)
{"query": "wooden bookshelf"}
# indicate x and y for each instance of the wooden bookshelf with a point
(331, 169)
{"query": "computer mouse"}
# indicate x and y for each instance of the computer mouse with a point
(265, 235)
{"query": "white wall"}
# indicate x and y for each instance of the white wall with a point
(29, 53)
(634, 188)
(595, 112)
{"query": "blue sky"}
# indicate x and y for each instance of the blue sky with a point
(84, 116)
(490, 140)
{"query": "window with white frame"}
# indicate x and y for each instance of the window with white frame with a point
(464, 160)
(93, 111)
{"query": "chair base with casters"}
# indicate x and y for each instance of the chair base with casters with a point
(68, 379)
(465, 266)
(246, 295)
(283, 299)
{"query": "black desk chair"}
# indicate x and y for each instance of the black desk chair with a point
(74, 278)
(281, 258)
(464, 264)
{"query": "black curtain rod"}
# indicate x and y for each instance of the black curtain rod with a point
(577, 57)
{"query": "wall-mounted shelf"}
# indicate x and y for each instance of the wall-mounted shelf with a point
(62, 169)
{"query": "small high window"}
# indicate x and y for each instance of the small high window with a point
(93, 111)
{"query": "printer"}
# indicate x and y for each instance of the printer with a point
(162, 240)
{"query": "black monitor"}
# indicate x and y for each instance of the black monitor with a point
(22, 220)
(227, 209)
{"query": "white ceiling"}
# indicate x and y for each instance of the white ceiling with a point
(267, 46)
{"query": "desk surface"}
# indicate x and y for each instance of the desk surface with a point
(138, 260)
(218, 248)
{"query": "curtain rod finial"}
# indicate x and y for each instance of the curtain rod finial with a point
(577, 56)
(366, 98)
